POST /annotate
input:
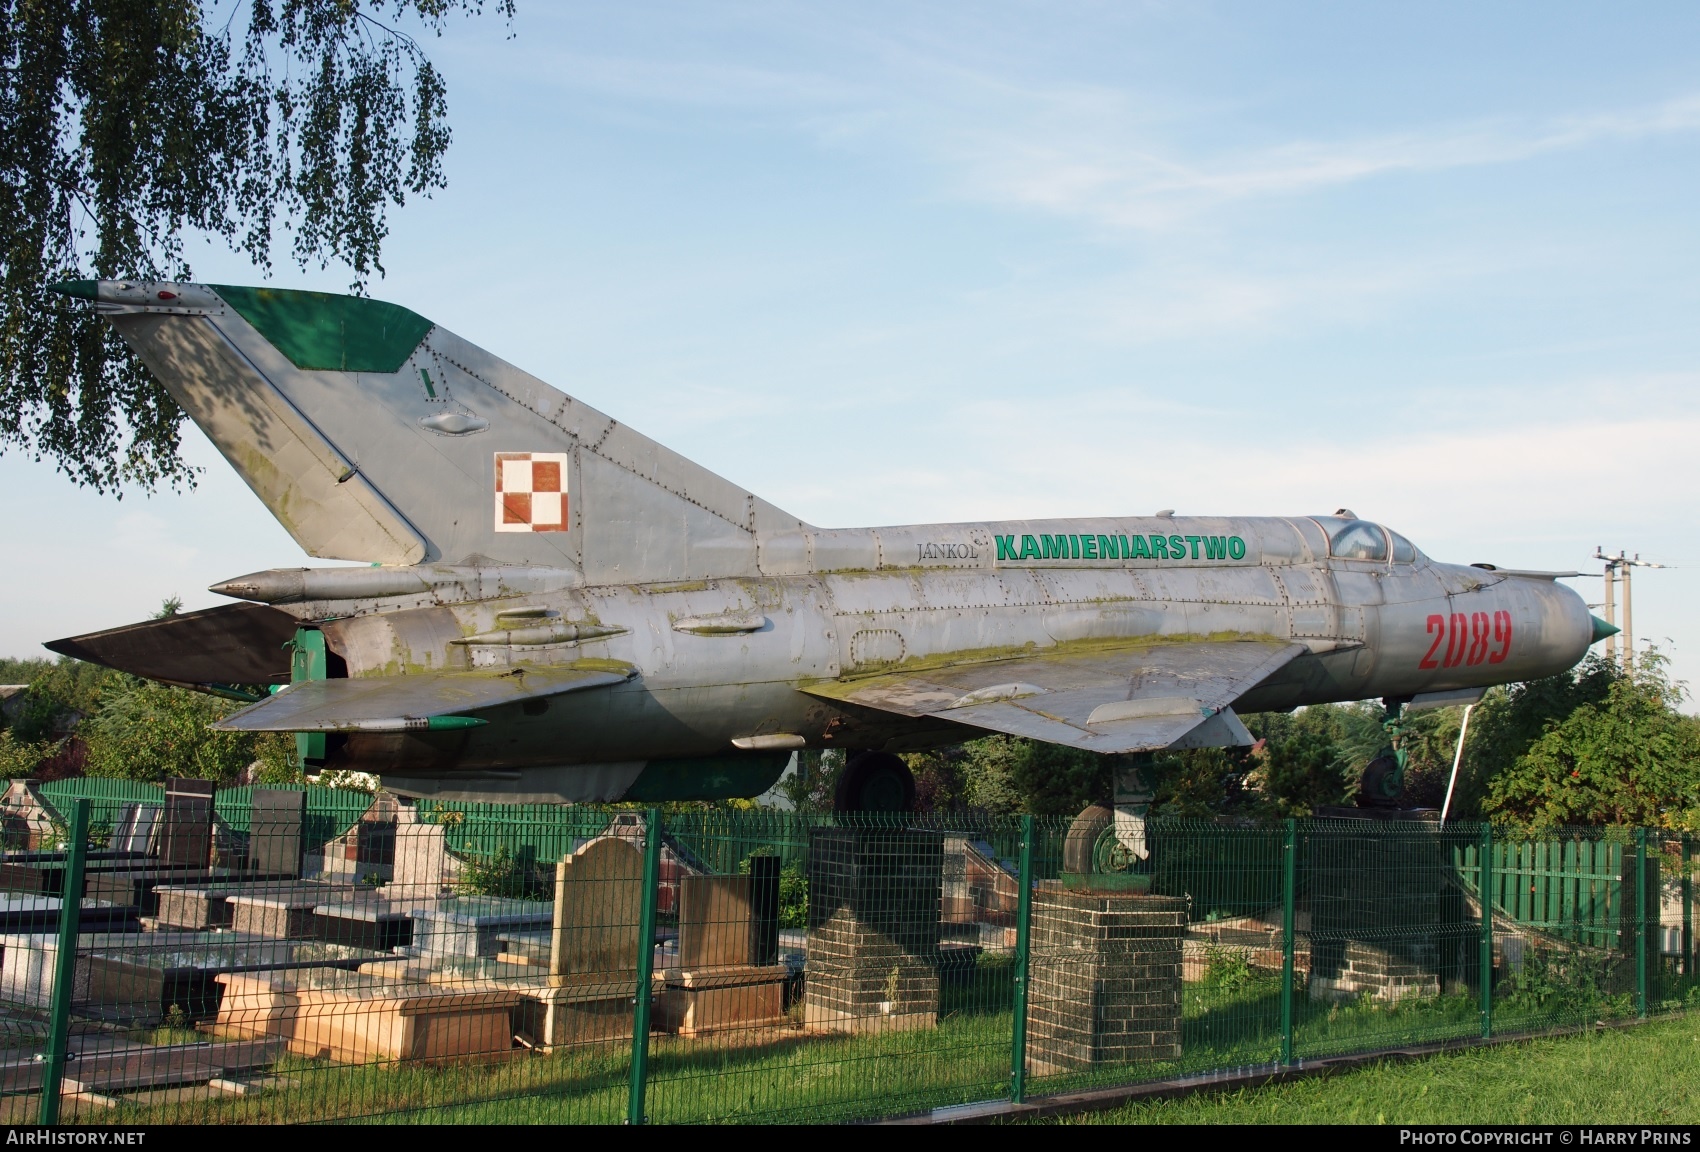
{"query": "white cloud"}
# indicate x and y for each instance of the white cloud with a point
(1089, 158)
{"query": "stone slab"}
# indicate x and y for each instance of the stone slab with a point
(574, 1014)
(473, 925)
(276, 817)
(356, 1019)
(696, 1003)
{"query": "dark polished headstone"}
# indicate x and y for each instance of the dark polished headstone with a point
(276, 817)
(186, 834)
(764, 909)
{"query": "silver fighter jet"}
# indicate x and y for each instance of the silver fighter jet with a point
(558, 608)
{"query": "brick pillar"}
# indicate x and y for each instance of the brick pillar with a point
(1106, 978)
(873, 929)
(1378, 924)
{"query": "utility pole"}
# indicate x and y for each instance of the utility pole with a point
(1611, 605)
(1619, 567)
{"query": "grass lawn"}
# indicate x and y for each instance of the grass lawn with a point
(1648, 1074)
(1231, 1019)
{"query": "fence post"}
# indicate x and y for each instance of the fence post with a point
(1485, 953)
(1289, 885)
(645, 967)
(1641, 922)
(1023, 921)
(65, 966)
(1687, 910)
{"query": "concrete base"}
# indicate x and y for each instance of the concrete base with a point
(580, 1013)
(353, 1019)
(1377, 974)
(695, 1003)
(882, 1019)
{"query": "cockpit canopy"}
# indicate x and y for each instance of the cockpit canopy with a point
(1350, 539)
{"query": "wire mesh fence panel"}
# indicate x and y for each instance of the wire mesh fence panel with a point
(473, 963)
(1566, 947)
(1392, 943)
(256, 979)
(1170, 966)
(833, 968)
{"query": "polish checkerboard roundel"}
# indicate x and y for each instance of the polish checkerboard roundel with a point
(531, 491)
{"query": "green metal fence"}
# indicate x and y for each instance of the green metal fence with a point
(566, 965)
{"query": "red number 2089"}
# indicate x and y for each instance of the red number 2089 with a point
(1468, 638)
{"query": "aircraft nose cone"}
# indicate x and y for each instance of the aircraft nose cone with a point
(1602, 630)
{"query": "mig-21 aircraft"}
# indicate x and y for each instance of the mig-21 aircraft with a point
(560, 609)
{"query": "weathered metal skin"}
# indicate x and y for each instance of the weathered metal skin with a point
(1366, 623)
(714, 617)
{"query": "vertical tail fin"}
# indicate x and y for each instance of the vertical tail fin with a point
(372, 434)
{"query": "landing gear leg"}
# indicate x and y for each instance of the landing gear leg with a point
(1383, 783)
(1134, 793)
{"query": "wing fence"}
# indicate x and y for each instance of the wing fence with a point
(277, 955)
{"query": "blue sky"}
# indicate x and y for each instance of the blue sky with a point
(910, 262)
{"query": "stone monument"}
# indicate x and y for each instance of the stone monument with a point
(186, 831)
(873, 928)
(1381, 927)
(593, 948)
(728, 975)
(276, 818)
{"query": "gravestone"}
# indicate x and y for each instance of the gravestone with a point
(286, 915)
(186, 832)
(873, 928)
(356, 1018)
(593, 947)
(365, 920)
(727, 926)
(423, 867)
(468, 927)
(276, 817)
(134, 831)
(1105, 978)
(764, 909)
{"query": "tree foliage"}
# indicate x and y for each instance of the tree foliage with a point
(1629, 757)
(79, 718)
(128, 127)
(149, 731)
(1509, 720)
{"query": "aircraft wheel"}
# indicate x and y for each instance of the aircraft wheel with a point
(1080, 846)
(1381, 786)
(875, 782)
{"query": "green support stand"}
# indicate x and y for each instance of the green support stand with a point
(307, 661)
(1289, 898)
(645, 967)
(1023, 923)
(65, 967)
(1485, 954)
